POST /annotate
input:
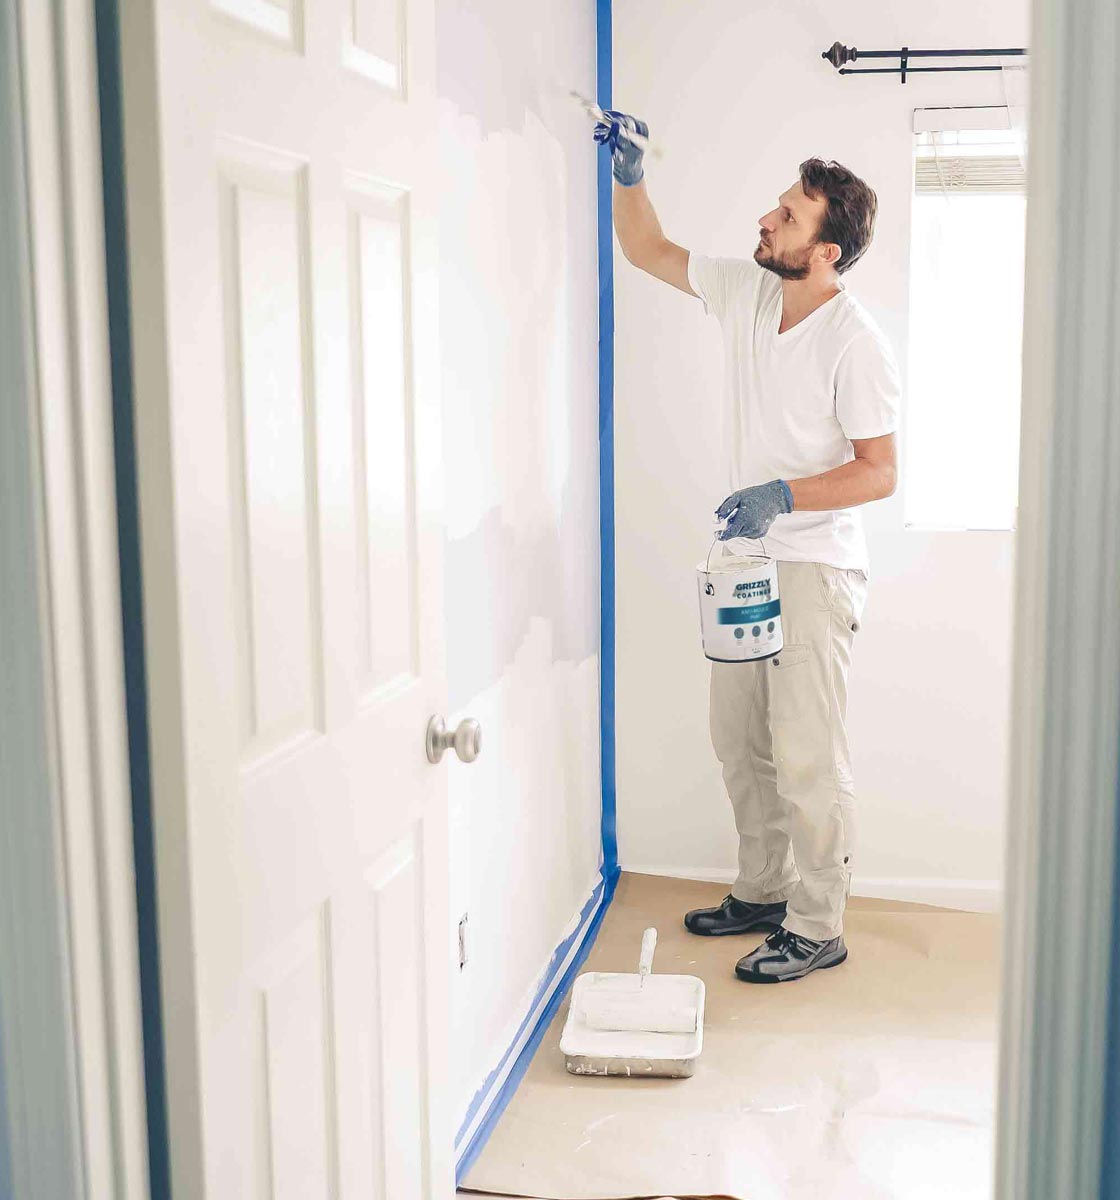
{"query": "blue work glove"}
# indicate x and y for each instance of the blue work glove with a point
(751, 512)
(626, 157)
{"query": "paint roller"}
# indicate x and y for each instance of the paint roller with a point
(638, 1003)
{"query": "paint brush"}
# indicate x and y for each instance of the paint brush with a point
(596, 113)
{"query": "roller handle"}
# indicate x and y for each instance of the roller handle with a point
(649, 945)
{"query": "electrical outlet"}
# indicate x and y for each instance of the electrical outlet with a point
(462, 941)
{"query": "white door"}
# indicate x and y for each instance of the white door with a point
(280, 162)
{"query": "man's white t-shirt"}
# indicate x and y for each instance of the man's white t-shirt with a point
(794, 402)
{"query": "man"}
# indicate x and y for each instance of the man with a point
(811, 409)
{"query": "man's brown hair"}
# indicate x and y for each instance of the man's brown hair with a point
(849, 220)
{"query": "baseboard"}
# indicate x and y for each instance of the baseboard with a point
(496, 1091)
(967, 895)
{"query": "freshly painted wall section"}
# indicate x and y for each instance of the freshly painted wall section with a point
(519, 346)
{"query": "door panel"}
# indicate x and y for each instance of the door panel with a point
(272, 461)
(395, 882)
(375, 43)
(383, 436)
(295, 1084)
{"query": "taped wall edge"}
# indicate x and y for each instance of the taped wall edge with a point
(497, 1089)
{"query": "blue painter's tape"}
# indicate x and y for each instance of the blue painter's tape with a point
(751, 612)
(604, 86)
(558, 980)
(558, 977)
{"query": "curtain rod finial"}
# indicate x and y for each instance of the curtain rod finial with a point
(838, 54)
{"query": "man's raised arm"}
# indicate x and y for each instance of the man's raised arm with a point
(635, 222)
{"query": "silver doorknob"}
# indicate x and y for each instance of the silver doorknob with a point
(466, 740)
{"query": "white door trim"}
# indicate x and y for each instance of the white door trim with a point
(1066, 724)
(39, 1140)
(83, 822)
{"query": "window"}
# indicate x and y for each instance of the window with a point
(966, 308)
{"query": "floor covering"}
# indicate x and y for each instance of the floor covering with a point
(874, 1080)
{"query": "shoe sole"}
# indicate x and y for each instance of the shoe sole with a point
(748, 977)
(767, 925)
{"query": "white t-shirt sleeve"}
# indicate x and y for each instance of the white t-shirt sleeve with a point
(868, 388)
(718, 280)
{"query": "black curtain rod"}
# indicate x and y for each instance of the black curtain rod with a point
(839, 54)
(909, 70)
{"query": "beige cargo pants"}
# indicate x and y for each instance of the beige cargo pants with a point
(778, 729)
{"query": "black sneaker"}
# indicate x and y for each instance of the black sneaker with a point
(735, 916)
(785, 955)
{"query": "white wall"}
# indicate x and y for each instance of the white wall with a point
(519, 341)
(737, 95)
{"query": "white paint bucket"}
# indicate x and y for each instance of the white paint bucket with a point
(740, 611)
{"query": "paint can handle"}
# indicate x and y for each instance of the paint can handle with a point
(715, 542)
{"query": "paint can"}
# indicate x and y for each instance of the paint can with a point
(740, 610)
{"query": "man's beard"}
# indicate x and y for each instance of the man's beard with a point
(782, 267)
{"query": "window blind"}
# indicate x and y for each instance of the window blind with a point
(973, 174)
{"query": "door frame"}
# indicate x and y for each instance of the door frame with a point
(1063, 880)
(69, 867)
(70, 1012)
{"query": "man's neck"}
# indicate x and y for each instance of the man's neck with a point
(800, 297)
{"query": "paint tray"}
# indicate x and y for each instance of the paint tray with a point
(633, 1053)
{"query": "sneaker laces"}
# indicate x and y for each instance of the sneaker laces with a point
(782, 939)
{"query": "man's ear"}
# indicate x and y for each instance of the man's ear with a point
(830, 252)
